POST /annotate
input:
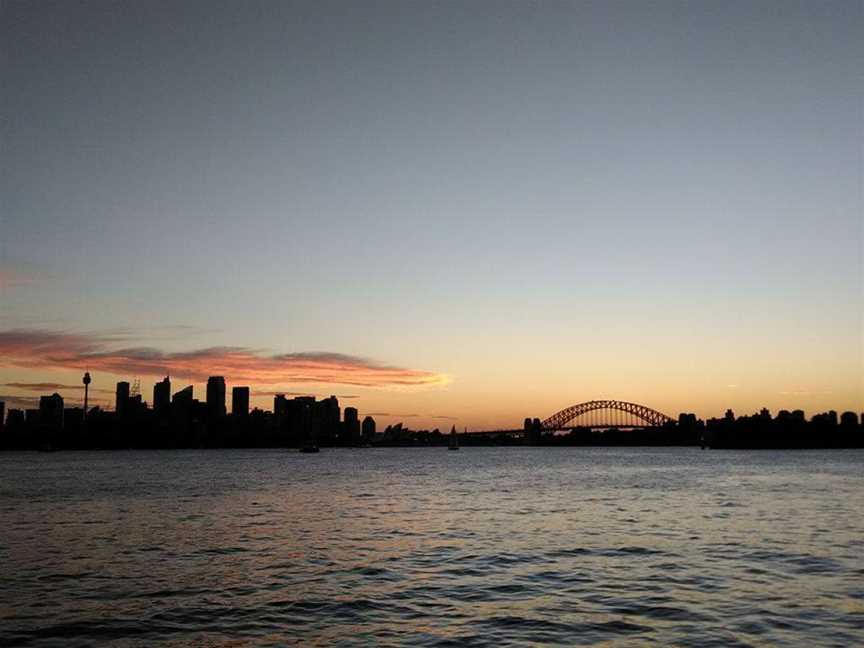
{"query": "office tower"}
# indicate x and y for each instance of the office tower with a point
(351, 426)
(215, 397)
(15, 419)
(280, 406)
(240, 401)
(368, 430)
(183, 405)
(121, 398)
(325, 420)
(183, 396)
(162, 396)
(51, 410)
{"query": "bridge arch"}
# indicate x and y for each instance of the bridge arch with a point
(651, 417)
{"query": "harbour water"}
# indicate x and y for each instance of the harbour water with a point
(482, 547)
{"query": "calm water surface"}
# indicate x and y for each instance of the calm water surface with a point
(484, 547)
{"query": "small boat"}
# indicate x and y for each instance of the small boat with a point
(309, 448)
(454, 439)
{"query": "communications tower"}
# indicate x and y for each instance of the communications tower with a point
(86, 381)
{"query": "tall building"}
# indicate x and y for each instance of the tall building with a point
(849, 419)
(299, 428)
(15, 418)
(2, 414)
(183, 396)
(121, 398)
(280, 406)
(215, 397)
(351, 426)
(240, 401)
(325, 420)
(51, 410)
(368, 430)
(182, 410)
(162, 396)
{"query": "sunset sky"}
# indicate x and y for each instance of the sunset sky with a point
(443, 213)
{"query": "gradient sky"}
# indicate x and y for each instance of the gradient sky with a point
(467, 212)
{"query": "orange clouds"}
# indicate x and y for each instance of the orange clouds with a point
(50, 349)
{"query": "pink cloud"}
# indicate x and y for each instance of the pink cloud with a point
(12, 279)
(39, 349)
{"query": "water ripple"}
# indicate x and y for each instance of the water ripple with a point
(502, 547)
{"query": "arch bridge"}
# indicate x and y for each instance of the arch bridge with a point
(605, 413)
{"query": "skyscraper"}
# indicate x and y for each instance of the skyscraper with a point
(325, 419)
(51, 410)
(368, 429)
(162, 396)
(240, 401)
(185, 395)
(121, 398)
(215, 397)
(280, 406)
(351, 427)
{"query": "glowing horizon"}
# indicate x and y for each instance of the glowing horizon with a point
(522, 208)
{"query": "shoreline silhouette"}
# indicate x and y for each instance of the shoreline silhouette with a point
(304, 422)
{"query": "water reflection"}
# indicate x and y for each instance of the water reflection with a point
(482, 547)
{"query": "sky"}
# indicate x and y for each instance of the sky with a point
(443, 213)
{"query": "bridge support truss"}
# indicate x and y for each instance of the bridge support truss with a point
(606, 413)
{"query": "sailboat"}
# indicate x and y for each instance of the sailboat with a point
(454, 439)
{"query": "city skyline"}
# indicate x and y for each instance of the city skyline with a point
(217, 396)
(426, 322)
(521, 210)
(180, 421)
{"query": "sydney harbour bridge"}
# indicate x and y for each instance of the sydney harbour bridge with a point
(591, 414)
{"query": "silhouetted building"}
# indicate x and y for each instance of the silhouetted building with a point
(51, 410)
(73, 417)
(183, 406)
(847, 419)
(215, 397)
(162, 397)
(134, 405)
(280, 406)
(121, 398)
(14, 433)
(15, 418)
(240, 401)
(298, 427)
(351, 427)
(368, 429)
(535, 433)
(325, 420)
(184, 396)
(2, 414)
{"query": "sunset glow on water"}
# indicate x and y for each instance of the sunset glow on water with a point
(484, 547)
